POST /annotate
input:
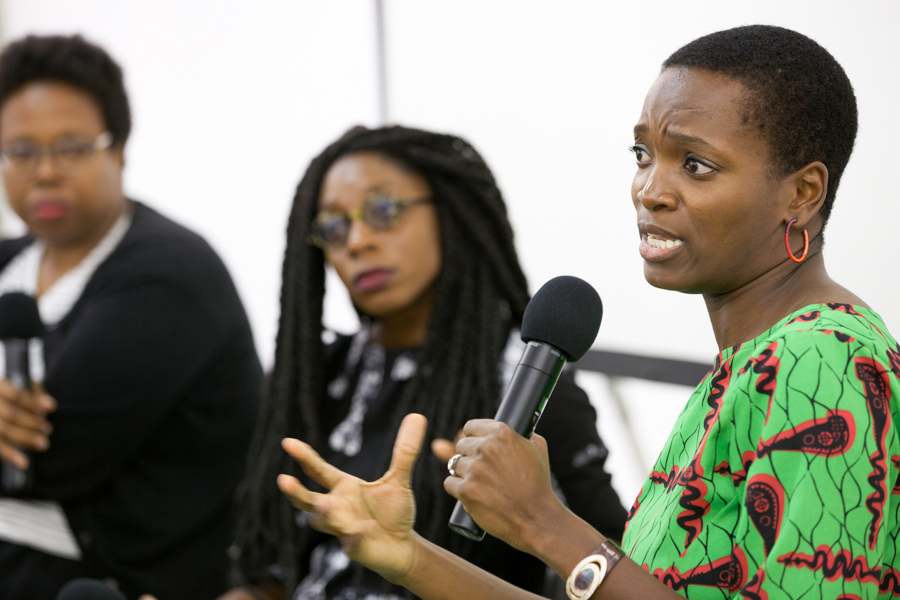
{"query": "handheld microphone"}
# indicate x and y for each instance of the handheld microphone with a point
(88, 589)
(560, 324)
(19, 322)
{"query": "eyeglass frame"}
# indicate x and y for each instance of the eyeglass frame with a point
(103, 141)
(358, 214)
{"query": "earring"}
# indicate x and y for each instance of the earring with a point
(787, 243)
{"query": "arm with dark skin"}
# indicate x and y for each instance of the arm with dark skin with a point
(374, 520)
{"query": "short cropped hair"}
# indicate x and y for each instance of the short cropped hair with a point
(801, 100)
(74, 61)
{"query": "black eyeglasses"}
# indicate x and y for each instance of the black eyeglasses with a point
(69, 155)
(381, 212)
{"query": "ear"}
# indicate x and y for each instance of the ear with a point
(119, 155)
(808, 188)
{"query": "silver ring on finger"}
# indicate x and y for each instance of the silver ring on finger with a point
(452, 463)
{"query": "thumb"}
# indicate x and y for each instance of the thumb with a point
(406, 448)
(443, 449)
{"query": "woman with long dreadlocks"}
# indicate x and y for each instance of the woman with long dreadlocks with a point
(414, 225)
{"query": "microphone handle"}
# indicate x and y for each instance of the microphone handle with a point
(524, 401)
(15, 480)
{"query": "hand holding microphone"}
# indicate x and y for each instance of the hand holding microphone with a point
(23, 411)
(498, 473)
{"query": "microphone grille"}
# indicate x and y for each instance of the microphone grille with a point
(19, 316)
(565, 313)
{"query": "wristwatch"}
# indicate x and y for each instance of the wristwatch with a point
(587, 575)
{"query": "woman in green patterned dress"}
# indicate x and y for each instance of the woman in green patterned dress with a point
(779, 477)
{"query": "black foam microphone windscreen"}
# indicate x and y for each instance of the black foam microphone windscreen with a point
(565, 313)
(19, 317)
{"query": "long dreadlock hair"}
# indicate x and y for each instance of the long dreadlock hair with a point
(481, 292)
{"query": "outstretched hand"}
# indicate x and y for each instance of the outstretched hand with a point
(374, 521)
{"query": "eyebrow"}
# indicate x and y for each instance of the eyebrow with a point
(376, 188)
(689, 139)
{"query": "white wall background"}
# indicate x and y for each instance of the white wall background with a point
(549, 92)
(232, 98)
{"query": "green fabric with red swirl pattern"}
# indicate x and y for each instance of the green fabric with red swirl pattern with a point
(780, 477)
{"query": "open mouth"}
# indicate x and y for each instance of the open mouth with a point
(655, 247)
(658, 241)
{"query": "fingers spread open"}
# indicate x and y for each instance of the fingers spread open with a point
(313, 464)
(296, 493)
(406, 448)
(333, 516)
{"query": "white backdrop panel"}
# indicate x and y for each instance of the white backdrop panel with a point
(230, 101)
(549, 93)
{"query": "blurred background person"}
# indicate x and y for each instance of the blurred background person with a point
(416, 228)
(151, 377)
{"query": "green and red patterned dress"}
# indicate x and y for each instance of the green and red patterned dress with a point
(780, 477)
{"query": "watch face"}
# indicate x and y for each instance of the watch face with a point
(585, 578)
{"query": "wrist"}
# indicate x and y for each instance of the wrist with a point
(591, 572)
(536, 523)
(564, 544)
(415, 546)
